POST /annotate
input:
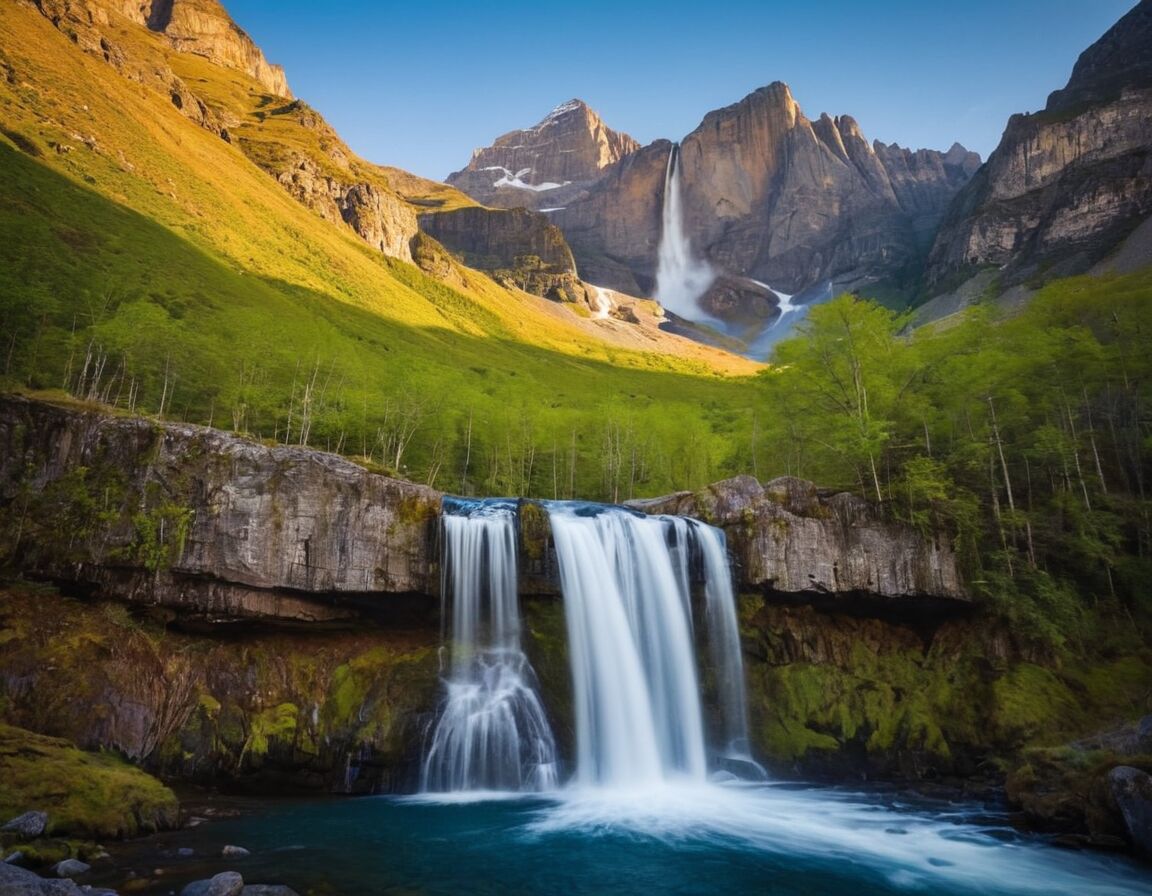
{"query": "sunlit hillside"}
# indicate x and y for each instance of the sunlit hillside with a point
(148, 263)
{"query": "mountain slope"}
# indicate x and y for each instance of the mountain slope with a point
(144, 257)
(1066, 186)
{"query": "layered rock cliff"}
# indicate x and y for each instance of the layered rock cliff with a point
(201, 27)
(216, 525)
(862, 651)
(547, 165)
(1068, 185)
(520, 248)
(205, 522)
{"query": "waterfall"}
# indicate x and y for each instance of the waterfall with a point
(680, 278)
(626, 585)
(492, 732)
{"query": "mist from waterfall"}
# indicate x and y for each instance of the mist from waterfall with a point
(492, 732)
(681, 278)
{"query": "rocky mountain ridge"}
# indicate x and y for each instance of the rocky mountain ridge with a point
(767, 195)
(1067, 187)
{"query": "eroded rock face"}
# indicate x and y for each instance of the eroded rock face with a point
(1066, 185)
(201, 27)
(222, 527)
(381, 218)
(771, 195)
(204, 521)
(520, 248)
(545, 166)
(786, 538)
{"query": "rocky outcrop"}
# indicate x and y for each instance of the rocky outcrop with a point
(545, 166)
(520, 248)
(1066, 186)
(204, 28)
(213, 525)
(203, 521)
(788, 539)
(770, 195)
(201, 27)
(378, 216)
(335, 708)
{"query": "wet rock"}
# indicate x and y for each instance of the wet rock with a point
(14, 858)
(15, 881)
(226, 883)
(234, 852)
(267, 890)
(1132, 790)
(71, 868)
(30, 824)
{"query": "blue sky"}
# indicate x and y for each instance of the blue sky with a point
(420, 85)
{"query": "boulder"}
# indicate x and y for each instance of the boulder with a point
(28, 825)
(71, 868)
(1132, 790)
(226, 883)
(15, 881)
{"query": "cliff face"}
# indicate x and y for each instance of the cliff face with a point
(520, 248)
(201, 27)
(1066, 186)
(213, 524)
(787, 539)
(861, 653)
(206, 522)
(768, 195)
(545, 166)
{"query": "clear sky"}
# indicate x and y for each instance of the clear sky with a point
(419, 85)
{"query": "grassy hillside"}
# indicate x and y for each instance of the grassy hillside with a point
(148, 263)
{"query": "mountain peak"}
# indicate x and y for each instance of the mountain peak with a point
(546, 164)
(1119, 60)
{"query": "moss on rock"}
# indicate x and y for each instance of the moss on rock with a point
(86, 794)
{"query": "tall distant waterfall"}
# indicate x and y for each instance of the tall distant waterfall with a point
(492, 733)
(625, 578)
(680, 278)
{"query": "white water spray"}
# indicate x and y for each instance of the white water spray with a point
(492, 732)
(680, 277)
(603, 302)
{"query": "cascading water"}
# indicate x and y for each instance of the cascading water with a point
(681, 278)
(492, 732)
(625, 579)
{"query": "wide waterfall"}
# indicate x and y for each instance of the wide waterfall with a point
(627, 599)
(492, 732)
(681, 278)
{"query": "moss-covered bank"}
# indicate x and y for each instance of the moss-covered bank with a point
(334, 710)
(84, 794)
(832, 694)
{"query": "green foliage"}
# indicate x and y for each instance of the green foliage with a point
(1026, 438)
